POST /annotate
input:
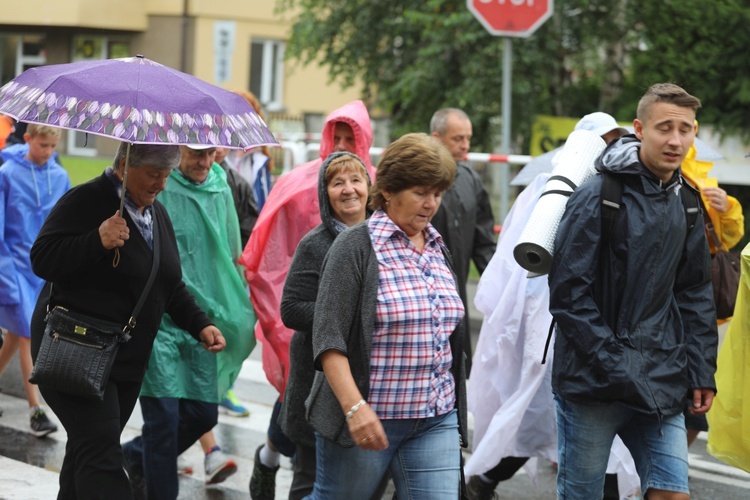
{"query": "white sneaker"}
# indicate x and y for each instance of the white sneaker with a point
(218, 467)
(183, 467)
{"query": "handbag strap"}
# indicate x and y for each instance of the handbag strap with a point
(151, 277)
(710, 230)
(149, 283)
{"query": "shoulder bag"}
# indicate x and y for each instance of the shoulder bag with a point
(77, 351)
(725, 273)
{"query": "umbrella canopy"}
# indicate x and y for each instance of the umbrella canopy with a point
(135, 100)
(543, 163)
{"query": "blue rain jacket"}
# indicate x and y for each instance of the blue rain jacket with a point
(27, 194)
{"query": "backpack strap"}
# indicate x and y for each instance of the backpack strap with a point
(611, 195)
(692, 203)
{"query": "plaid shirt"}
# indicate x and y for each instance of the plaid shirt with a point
(418, 309)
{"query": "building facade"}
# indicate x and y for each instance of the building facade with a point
(236, 44)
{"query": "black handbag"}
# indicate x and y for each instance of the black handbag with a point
(77, 351)
(725, 273)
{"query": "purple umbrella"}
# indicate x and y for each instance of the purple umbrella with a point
(135, 100)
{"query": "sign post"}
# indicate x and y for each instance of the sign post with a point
(509, 18)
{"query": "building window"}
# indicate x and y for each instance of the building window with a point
(92, 48)
(267, 73)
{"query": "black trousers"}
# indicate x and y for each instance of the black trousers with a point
(92, 467)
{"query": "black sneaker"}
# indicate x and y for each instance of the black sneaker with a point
(479, 490)
(40, 424)
(263, 480)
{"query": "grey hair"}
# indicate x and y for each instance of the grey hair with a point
(439, 121)
(161, 156)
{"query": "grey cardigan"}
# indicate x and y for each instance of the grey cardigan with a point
(298, 310)
(345, 320)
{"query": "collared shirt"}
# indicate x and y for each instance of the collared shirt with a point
(418, 309)
(143, 221)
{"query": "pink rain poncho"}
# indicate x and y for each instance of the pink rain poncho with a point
(289, 213)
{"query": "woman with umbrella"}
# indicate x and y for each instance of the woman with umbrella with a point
(75, 251)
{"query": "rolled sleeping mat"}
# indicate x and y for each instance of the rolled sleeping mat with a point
(575, 165)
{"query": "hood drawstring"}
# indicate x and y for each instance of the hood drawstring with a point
(36, 186)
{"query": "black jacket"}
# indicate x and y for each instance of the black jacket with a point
(467, 226)
(68, 252)
(635, 314)
(244, 202)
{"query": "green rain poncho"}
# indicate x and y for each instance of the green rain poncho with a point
(208, 239)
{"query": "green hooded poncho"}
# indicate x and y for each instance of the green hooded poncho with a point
(208, 238)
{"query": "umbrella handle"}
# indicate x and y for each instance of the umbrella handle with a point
(116, 259)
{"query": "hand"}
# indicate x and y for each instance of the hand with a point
(702, 400)
(114, 232)
(212, 339)
(367, 431)
(717, 198)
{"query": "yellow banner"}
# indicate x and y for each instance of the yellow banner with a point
(550, 132)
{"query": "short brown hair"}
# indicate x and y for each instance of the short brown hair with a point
(35, 129)
(412, 160)
(343, 163)
(668, 93)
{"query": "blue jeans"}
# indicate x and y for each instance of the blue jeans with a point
(170, 426)
(584, 437)
(423, 456)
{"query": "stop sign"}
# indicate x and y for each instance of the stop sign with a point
(511, 17)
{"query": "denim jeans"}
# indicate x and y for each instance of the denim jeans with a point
(423, 456)
(170, 426)
(584, 437)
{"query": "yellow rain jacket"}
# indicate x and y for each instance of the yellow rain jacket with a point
(730, 225)
(729, 417)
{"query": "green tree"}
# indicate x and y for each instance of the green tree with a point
(701, 46)
(415, 56)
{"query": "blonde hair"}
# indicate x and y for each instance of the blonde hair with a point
(35, 129)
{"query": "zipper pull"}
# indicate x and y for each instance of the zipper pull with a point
(55, 337)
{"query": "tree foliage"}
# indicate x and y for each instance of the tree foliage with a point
(416, 56)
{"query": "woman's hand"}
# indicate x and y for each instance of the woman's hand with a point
(212, 339)
(717, 198)
(114, 232)
(366, 430)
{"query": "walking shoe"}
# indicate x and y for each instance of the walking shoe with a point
(263, 480)
(480, 490)
(135, 476)
(40, 424)
(183, 467)
(232, 406)
(218, 466)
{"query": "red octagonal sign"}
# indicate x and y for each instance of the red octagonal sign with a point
(511, 17)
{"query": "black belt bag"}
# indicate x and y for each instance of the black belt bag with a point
(77, 351)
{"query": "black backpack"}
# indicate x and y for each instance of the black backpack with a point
(611, 197)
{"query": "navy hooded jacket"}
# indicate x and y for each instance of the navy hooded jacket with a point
(635, 313)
